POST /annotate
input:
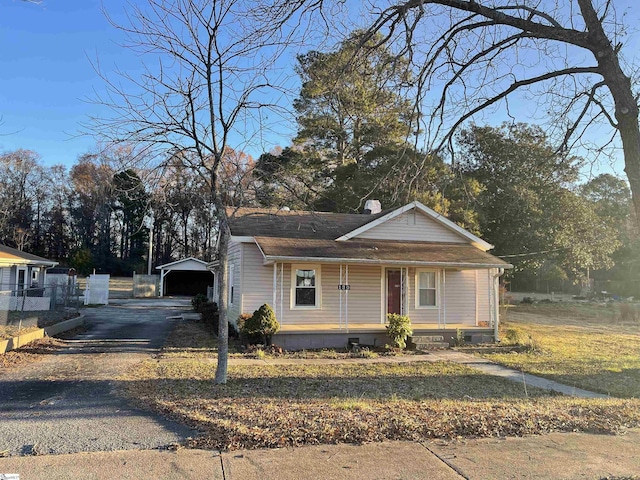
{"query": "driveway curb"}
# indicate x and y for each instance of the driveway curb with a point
(22, 340)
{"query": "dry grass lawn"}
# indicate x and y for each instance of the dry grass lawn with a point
(578, 344)
(289, 405)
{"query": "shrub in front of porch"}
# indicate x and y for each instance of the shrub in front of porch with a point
(398, 329)
(262, 325)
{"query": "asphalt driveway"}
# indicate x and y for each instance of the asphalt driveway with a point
(66, 403)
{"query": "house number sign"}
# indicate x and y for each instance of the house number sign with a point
(344, 287)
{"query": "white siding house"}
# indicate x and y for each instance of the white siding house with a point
(333, 278)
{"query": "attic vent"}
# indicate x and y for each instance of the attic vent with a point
(372, 207)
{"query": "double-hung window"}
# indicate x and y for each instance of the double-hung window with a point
(426, 291)
(306, 286)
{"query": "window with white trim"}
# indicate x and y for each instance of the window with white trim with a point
(426, 291)
(305, 286)
(231, 287)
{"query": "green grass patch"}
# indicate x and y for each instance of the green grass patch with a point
(579, 345)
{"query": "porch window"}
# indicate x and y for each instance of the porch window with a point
(426, 291)
(306, 286)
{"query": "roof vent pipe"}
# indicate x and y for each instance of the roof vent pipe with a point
(372, 207)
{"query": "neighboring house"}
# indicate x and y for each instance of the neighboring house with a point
(23, 275)
(21, 270)
(332, 278)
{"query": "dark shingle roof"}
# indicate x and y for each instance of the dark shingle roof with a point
(379, 251)
(294, 224)
(11, 253)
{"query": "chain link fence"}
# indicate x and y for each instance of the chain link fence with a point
(19, 303)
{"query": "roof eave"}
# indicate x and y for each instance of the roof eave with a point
(269, 259)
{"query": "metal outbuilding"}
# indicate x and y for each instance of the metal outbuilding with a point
(188, 276)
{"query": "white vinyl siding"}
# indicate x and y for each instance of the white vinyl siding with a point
(412, 226)
(460, 296)
(483, 297)
(234, 259)
(366, 298)
(4, 278)
(257, 281)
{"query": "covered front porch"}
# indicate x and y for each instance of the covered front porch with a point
(328, 335)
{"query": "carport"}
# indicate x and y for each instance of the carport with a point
(188, 276)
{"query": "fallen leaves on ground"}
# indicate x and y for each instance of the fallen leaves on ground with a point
(31, 352)
(277, 406)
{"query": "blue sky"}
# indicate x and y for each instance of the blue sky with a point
(46, 74)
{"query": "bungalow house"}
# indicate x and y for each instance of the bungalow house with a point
(332, 278)
(20, 271)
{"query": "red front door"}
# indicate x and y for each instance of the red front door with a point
(393, 291)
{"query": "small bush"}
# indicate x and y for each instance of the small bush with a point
(528, 300)
(210, 315)
(515, 336)
(628, 313)
(198, 301)
(458, 341)
(363, 352)
(262, 324)
(399, 329)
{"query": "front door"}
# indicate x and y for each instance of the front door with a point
(21, 280)
(394, 291)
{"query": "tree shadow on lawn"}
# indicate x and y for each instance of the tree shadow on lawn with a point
(378, 387)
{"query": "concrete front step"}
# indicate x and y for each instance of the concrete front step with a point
(427, 338)
(432, 345)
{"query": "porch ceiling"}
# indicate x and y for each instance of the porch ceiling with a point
(459, 255)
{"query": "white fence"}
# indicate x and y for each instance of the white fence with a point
(146, 285)
(97, 291)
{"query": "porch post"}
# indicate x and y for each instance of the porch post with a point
(340, 294)
(275, 286)
(346, 299)
(281, 292)
(444, 295)
(490, 299)
(440, 296)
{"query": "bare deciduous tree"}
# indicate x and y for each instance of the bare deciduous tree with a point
(471, 56)
(205, 83)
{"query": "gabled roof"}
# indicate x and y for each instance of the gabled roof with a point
(377, 252)
(13, 256)
(177, 263)
(445, 222)
(262, 222)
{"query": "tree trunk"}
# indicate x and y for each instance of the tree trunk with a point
(223, 327)
(619, 84)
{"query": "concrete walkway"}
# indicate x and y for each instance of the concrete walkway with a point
(554, 456)
(479, 363)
